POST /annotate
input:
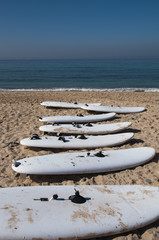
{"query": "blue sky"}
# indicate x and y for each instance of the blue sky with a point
(61, 29)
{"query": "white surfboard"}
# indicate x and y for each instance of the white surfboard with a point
(86, 129)
(113, 109)
(65, 104)
(62, 212)
(77, 143)
(78, 119)
(84, 162)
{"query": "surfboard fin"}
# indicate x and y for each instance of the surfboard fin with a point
(35, 137)
(77, 198)
(82, 137)
(16, 164)
(89, 125)
(99, 154)
(80, 115)
(76, 125)
(61, 138)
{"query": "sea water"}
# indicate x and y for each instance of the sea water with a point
(105, 74)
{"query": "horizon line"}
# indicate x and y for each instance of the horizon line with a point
(110, 58)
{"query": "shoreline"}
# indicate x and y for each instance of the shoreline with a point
(20, 111)
(81, 90)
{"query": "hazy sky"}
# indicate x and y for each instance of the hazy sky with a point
(78, 29)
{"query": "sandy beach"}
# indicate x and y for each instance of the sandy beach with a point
(20, 112)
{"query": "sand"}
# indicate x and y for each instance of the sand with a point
(19, 119)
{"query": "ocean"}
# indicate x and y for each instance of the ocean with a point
(101, 75)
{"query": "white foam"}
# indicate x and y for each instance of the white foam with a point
(84, 89)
